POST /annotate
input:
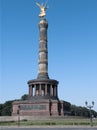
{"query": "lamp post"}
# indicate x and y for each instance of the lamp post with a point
(90, 107)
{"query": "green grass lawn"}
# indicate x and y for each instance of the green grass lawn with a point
(77, 122)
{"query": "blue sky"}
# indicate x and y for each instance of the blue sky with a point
(72, 46)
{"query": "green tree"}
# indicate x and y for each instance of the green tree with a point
(6, 108)
(25, 97)
(81, 111)
(1, 107)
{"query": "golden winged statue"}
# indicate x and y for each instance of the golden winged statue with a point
(43, 9)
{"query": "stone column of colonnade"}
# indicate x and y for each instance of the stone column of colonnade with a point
(52, 92)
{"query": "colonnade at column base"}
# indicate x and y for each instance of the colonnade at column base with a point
(43, 87)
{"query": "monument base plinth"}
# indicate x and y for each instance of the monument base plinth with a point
(43, 107)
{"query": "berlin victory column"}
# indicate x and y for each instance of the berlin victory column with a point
(43, 92)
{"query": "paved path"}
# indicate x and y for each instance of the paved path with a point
(83, 128)
(49, 129)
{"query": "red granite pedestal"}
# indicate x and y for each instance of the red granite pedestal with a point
(40, 108)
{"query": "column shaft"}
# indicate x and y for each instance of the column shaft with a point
(55, 91)
(39, 89)
(45, 89)
(51, 90)
(34, 89)
(30, 90)
(43, 51)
